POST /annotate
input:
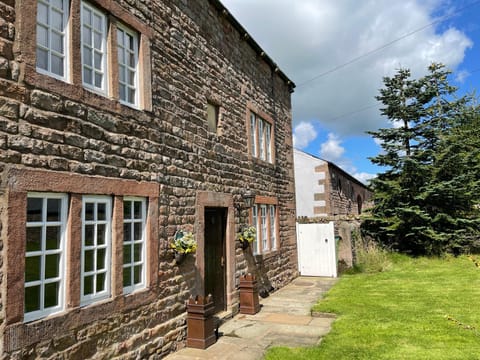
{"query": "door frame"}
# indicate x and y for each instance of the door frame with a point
(216, 200)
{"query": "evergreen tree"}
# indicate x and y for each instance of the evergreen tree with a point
(422, 113)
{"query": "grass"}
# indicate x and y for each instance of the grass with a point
(418, 309)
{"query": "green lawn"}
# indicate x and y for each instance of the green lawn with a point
(419, 309)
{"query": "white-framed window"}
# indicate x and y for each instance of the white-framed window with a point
(268, 142)
(127, 46)
(51, 44)
(264, 219)
(255, 223)
(253, 134)
(94, 48)
(96, 248)
(45, 254)
(261, 138)
(134, 243)
(263, 227)
(273, 226)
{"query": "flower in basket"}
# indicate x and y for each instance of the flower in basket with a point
(247, 235)
(183, 242)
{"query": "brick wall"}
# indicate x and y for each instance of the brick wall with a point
(196, 54)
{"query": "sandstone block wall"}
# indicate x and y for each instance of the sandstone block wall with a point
(196, 54)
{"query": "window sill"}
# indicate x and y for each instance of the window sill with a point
(79, 93)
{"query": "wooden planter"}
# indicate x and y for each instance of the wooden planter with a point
(200, 322)
(249, 303)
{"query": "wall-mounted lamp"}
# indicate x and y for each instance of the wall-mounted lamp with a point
(246, 200)
(249, 198)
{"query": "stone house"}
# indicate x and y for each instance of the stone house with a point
(122, 122)
(324, 190)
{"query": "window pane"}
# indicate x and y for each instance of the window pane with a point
(42, 13)
(121, 57)
(54, 209)
(131, 95)
(42, 59)
(88, 285)
(127, 209)
(98, 80)
(87, 56)
(137, 206)
(101, 256)
(89, 211)
(131, 77)
(120, 37)
(127, 276)
(130, 42)
(87, 37)
(57, 3)
(88, 260)
(100, 282)
(137, 231)
(57, 65)
(87, 16)
(101, 234)
(127, 254)
(131, 61)
(34, 239)
(87, 76)
(57, 42)
(97, 61)
(52, 263)
(127, 232)
(57, 20)
(51, 294)
(97, 40)
(89, 235)
(97, 22)
(42, 35)
(53, 237)
(34, 209)
(137, 252)
(101, 211)
(122, 94)
(137, 274)
(32, 268)
(32, 298)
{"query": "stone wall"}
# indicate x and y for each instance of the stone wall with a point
(196, 53)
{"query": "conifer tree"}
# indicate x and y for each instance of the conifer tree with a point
(422, 113)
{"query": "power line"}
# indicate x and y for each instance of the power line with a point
(338, 67)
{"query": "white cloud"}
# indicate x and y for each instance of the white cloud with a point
(462, 75)
(303, 134)
(310, 37)
(332, 150)
(363, 177)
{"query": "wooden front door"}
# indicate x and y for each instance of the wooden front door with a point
(215, 259)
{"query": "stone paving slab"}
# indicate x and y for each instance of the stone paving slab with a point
(284, 320)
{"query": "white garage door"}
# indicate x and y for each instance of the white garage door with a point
(316, 250)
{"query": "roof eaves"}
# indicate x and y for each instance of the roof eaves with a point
(246, 36)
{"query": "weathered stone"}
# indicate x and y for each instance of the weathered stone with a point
(46, 101)
(4, 67)
(9, 108)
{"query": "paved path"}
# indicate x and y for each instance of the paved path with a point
(284, 320)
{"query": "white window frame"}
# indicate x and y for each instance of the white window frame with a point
(272, 211)
(255, 243)
(44, 223)
(105, 293)
(132, 242)
(253, 133)
(103, 89)
(264, 227)
(268, 142)
(126, 51)
(65, 36)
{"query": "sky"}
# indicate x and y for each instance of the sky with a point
(338, 51)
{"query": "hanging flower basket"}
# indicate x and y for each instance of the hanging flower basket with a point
(247, 236)
(183, 243)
